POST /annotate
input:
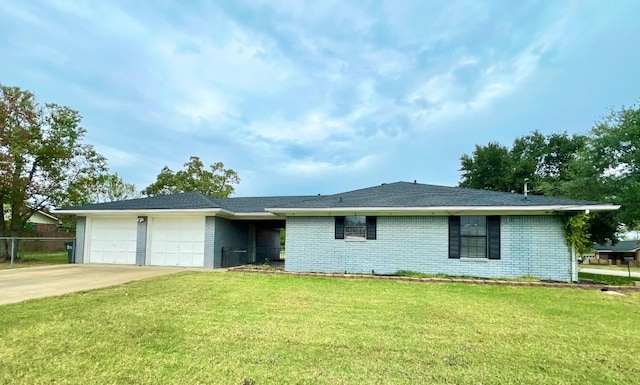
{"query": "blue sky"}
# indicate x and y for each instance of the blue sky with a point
(323, 96)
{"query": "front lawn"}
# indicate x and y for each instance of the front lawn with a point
(36, 259)
(234, 328)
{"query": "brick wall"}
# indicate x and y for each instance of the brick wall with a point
(530, 245)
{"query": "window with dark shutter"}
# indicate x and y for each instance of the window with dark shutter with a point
(474, 236)
(339, 233)
(371, 227)
(454, 237)
(493, 235)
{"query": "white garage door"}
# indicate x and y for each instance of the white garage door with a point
(176, 241)
(113, 240)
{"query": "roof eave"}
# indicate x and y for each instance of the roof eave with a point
(206, 211)
(441, 210)
(146, 211)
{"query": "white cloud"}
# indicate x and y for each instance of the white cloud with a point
(308, 167)
(311, 128)
(202, 105)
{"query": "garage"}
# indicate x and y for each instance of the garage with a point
(112, 240)
(176, 241)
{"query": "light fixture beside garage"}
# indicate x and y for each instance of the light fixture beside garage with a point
(140, 219)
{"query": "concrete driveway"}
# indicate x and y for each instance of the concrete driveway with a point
(34, 282)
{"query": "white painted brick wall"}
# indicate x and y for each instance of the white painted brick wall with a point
(530, 245)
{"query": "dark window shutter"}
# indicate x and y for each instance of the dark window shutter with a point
(493, 237)
(454, 237)
(371, 227)
(339, 227)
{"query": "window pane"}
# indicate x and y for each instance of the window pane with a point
(355, 226)
(473, 225)
(355, 220)
(473, 247)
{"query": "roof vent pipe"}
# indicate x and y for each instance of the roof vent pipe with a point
(415, 181)
(526, 190)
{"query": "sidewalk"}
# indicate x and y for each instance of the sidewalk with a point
(619, 273)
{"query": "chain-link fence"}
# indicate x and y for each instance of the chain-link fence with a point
(36, 250)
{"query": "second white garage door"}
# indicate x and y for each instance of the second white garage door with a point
(176, 241)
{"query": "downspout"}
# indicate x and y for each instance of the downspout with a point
(574, 266)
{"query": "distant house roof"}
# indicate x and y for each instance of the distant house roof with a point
(620, 247)
(41, 216)
(38, 216)
(392, 197)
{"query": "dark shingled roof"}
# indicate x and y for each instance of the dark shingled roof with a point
(190, 200)
(399, 194)
(405, 194)
(193, 200)
(620, 247)
(258, 204)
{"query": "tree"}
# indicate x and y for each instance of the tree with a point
(111, 187)
(216, 182)
(613, 162)
(43, 162)
(486, 168)
(544, 160)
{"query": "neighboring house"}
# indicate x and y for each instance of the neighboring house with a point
(40, 221)
(381, 229)
(616, 253)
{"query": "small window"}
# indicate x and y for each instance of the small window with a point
(355, 226)
(474, 237)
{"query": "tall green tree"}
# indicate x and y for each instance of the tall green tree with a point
(216, 181)
(487, 167)
(43, 161)
(111, 187)
(544, 160)
(613, 162)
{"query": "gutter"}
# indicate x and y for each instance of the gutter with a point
(207, 211)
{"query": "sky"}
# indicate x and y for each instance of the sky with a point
(320, 96)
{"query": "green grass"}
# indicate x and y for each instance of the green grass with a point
(610, 267)
(36, 259)
(233, 328)
(415, 274)
(608, 279)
